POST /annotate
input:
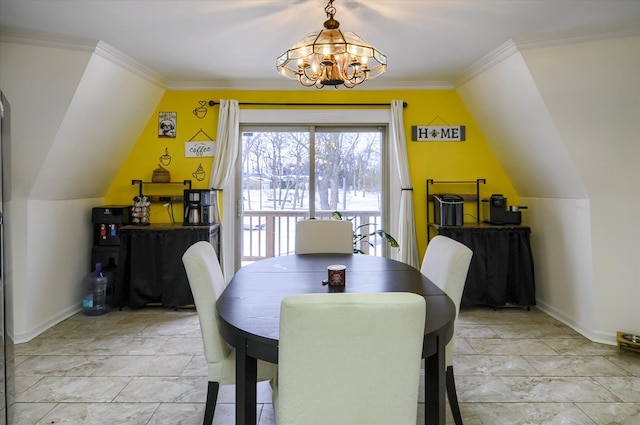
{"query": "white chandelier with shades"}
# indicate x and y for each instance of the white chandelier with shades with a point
(331, 57)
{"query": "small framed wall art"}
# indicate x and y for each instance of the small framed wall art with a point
(167, 125)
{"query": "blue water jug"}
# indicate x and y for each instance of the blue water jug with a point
(94, 293)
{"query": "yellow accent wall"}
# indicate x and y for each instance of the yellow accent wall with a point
(466, 160)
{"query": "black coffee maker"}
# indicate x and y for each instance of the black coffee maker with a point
(198, 207)
(498, 212)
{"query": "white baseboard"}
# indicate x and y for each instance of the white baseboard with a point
(595, 336)
(43, 326)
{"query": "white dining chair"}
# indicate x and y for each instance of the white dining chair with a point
(207, 283)
(446, 263)
(324, 237)
(349, 358)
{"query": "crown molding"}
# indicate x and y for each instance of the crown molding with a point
(100, 48)
(511, 47)
(628, 29)
(117, 57)
(282, 84)
(497, 56)
(43, 39)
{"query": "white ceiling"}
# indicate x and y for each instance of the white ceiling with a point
(234, 43)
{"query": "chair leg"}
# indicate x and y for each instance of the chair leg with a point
(212, 398)
(453, 396)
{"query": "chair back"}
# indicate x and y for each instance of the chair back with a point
(324, 237)
(446, 263)
(349, 358)
(207, 283)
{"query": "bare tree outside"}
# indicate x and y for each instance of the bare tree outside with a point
(346, 163)
(276, 176)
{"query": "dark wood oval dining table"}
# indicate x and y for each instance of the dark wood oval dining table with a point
(249, 313)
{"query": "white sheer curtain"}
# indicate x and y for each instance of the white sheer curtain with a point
(406, 227)
(224, 159)
(227, 148)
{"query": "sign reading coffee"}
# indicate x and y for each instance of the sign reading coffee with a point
(199, 149)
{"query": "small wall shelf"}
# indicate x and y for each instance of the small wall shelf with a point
(172, 198)
(468, 197)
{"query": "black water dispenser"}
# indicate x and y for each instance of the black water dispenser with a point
(107, 221)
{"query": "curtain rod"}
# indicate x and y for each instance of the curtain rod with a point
(213, 103)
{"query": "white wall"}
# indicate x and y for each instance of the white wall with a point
(76, 113)
(563, 121)
(592, 90)
(563, 261)
(39, 82)
(59, 251)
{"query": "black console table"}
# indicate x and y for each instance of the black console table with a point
(150, 269)
(501, 270)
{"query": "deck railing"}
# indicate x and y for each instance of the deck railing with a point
(272, 233)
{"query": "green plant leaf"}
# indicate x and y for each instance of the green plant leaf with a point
(358, 237)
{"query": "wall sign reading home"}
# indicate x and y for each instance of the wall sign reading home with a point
(430, 133)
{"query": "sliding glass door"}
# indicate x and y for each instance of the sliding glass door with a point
(295, 172)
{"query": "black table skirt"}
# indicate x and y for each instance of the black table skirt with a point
(151, 270)
(501, 270)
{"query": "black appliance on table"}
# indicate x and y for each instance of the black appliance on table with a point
(449, 209)
(498, 212)
(199, 207)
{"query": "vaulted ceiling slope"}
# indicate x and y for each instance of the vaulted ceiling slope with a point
(233, 44)
(560, 118)
(77, 115)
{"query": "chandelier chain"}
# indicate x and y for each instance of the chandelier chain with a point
(330, 9)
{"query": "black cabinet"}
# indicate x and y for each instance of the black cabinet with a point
(501, 271)
(151, 269)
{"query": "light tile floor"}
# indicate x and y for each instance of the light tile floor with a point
(146, 366)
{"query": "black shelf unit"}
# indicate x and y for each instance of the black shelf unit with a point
(140, 183)
(468, 197)
(169, 197)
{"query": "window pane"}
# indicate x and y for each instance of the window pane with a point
(348, 171)
(275, 168)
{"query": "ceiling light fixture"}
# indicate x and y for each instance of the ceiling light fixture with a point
(331, 57)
